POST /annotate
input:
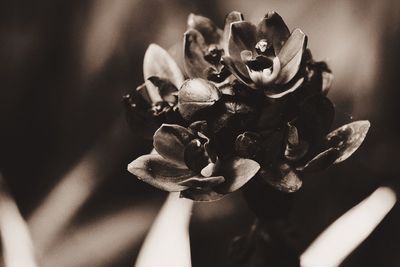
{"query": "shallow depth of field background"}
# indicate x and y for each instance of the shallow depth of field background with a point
(64, 143)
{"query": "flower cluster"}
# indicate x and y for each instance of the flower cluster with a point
(250, 104)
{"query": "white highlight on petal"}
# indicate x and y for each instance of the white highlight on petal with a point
(349, 231)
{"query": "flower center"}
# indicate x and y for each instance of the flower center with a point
(260, 63)
(213, 54)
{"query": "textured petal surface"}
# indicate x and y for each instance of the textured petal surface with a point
(194, 47)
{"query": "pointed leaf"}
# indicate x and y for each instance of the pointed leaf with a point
(290, 56)
(283, 179)
(237, 172)
(201, 195)
(348, 138)
(170, 141)
(159, 172)
(194, 48)
(157, 62)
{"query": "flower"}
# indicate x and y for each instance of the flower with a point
(266, 56)
(204, 44)
(271, 121)
(186, 162)
(155, 101)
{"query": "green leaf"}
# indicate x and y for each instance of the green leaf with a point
(157, 62)
(348, 138)
(170, 141)
(290, 56)
(159, 172)
(237, 172)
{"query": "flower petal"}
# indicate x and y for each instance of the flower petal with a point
(284, 179)
(248, 145)
(237, 172)
(157, 62)
(242, 36)
(194, 47)
(348, 138)
(195, 95)
(232, 17)
(159, 172)
(282, 91)
(206, 27)
(195, 156)
(170, 141)
(273, 28)
(202, 182)
(290, 56)
(237, 68)
(201, 195)
(321, 161)
(166, 89)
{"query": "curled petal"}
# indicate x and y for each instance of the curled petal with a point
(194, 47)
(237, 172)
(232, 17)
(285, 179)
(290, 56)
(201, 195)
(248, 145)
(282, 91)
(242, 37)
(274, 30)
(206, 27)
(159, 172)
(170, 141)
(348, 138)
(202, 182)
(157, 62)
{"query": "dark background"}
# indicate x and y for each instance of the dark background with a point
(64, 143)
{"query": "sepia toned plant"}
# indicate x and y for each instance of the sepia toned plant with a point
(270, 122)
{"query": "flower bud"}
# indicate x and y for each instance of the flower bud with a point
(195, 95)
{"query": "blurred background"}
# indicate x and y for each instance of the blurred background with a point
(65, 145)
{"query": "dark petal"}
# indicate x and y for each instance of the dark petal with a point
(157, 62)
(242, 37)
(170, 141)
(194, 48)
(274, 113)
(203, 182)
(218, 76)
(348, 138)
(159, 172)
(167, 91)
(206, 27)
(195, 156)
(201, 195)
(315, 118)
(195, 95)
(274, 30)
(284, 179)
(290, 56)
(199, 126)
(274, 145)
(237, 172)
(234, 16)
(237, 68)
(322, 161)
(248, 145)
